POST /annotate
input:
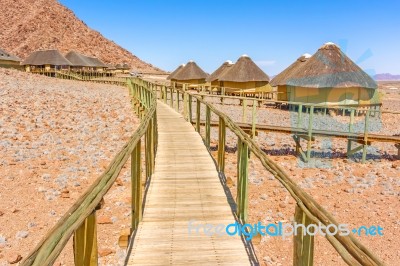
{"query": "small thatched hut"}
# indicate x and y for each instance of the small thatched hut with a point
(245, 77)
(190, 74)
(8, 60)
(98, 65)
(213, 78)
(171, 76)
(82, 62)
(330, 77)
(281, 79)
(46, 60)
(125, 68)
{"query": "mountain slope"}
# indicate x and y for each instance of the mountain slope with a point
(29, 25)
(386, 76)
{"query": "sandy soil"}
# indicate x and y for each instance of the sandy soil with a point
(56, 138)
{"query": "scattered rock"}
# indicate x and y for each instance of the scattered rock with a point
(104, 220)
(13, 258)
(22, 234)
(105, 252)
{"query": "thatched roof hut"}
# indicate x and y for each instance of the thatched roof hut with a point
(79, 60)
(173, 73)
(244, 70)
(9, 60)
(190, 74)
(244, 77)
(329, 67)
(46, 57)
(282, 77)
(329, 76)
(220, 71)
(4, 56)
(191, 71)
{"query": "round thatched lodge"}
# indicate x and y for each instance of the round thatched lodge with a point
(83, 63)
(244, 77)
(215, 84)
(190, 74)
(327, 77)
(46, 61)
(280, 80)
(8, 60)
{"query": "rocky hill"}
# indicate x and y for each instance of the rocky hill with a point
(386, 76)
(29, 25)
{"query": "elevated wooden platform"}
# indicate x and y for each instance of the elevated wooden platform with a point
(184, 187)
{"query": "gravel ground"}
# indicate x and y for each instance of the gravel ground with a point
(56, 138)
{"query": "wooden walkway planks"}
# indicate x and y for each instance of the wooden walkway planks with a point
(184, 187)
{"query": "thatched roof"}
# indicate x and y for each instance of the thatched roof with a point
(220, 71)
(282, 77)
(97, 62)
(190, 71)
(329, 67)
(173, 73)
(244, 70)
(81, 60)
(7, 56)
(111, 67)
(118, 66)
(126, 66)
(46, 57)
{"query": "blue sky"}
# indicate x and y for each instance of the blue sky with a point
(273, 33)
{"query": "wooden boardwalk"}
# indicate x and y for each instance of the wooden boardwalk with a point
(184, 187)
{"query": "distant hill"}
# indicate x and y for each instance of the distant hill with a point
(386, 76)
(29, 25)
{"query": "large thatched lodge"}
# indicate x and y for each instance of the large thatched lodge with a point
(52, 61)
(327, 77)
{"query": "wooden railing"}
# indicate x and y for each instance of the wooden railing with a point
(307, 210)
(80, 219)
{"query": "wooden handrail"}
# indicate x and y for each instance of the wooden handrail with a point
(81, 213)
(351, 250)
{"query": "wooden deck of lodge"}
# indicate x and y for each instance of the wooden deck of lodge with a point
(185, 186)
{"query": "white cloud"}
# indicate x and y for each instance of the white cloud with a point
(263, 63)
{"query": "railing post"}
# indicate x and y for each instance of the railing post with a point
(198, 116)
(136, 183)
(310, 127)
(208, 122)
(177, 100)
(350, 131)
(165, 94)
(85, 242)
(364, 154)
(190, 107)
(300, 116)
(253, 120)
(172, 97)
(185, 105)
(242, 192)
(303, 243)
(244, 110)
(221, 145)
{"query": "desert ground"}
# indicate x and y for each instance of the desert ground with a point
(56, 138)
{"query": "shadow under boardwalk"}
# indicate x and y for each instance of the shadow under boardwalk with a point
(184, 187)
